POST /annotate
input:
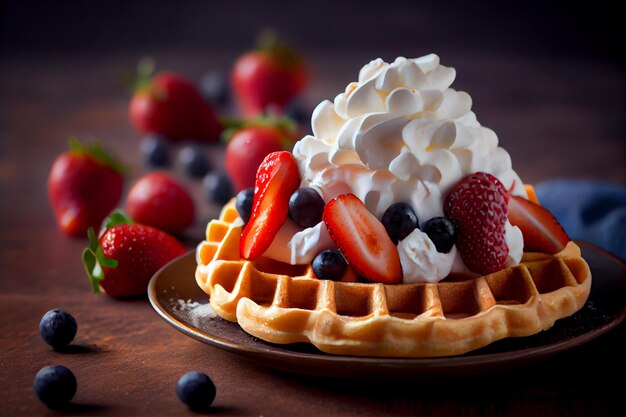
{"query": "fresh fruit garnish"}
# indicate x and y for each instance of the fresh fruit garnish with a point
(55, 386)
(155, 151)
(243, 203)
(170, 105)
(196, 390)
(399, 220)
(194, 161)
(217, 187)
(441, 232)
(215, 88)
(541, 230)
(84, 185)
(277, 178)
(477, 206)
(126, 255)
(363, 240)
(532, 195)
(57, 328)
(269, 77)
(160, 201)
(246, 150)
(329, 264)
(306, 207)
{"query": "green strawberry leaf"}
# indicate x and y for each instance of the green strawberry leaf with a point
(94, 261)
(97, 152)
(115, 218)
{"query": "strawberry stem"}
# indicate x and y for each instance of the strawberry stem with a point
(115, 218)
(97, 152)
(95, 261)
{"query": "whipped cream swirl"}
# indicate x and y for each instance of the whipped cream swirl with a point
(400, 133)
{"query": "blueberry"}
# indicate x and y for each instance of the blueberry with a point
(399, 221)
(298, 112)
(441, 231)
(57, 328)
(217, 187)
(306, 207)
(215, 88)
(155, 151)
(196, 390)
(55, 386)
(329, 264)
(243, 203)
(194, 162)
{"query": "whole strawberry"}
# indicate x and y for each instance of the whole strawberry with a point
(169, 105)
(84, 185)
(126, 256)
(477, 205)
(246, 150)
(271, 76)
(160, 201)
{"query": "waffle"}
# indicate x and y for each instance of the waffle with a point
(282, 303)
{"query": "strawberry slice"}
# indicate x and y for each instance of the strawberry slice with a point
(276, 179)
(541, 230)
(362, 239)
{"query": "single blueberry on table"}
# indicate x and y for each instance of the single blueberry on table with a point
(218, 187)
(216, 88)
(194, 161)
(243, 203)
(154, 151)
(57, 328)
(196, 390)
(55, 386)
(329, 264)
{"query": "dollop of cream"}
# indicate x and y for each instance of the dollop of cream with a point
(399, 133)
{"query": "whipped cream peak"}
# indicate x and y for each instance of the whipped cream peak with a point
(401, 133)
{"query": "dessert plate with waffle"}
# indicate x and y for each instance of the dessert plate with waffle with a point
(398, 232)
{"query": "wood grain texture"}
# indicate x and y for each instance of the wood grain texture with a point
(556, 117)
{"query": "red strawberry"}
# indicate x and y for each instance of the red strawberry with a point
(277, 178)
(84, 185)
(362, 239)
(158, 200)
(246, 150)
(477, 206)
(171, 106)
(126, 256)
(542, 232)
(270, 77)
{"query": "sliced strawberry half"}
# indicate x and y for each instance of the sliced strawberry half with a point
(276, 179)
(362, 239)
(541, 230)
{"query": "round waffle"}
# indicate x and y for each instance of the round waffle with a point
(283, 303)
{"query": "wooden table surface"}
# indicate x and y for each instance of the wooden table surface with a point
(556, 117)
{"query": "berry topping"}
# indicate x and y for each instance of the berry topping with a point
(55, 386)
(306, 207)
(362, 239)
(399, 221)
(154, 151)
(541, 230)
(477, 206)
(217, 187)
(441, 232)
(193, 161)
(329, 264)
(277, 178)
(57, 328)
(196, 390)
(243, 203)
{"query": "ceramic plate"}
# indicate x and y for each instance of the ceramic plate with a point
(176, 297)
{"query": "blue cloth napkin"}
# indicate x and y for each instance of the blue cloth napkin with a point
(588, 210)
